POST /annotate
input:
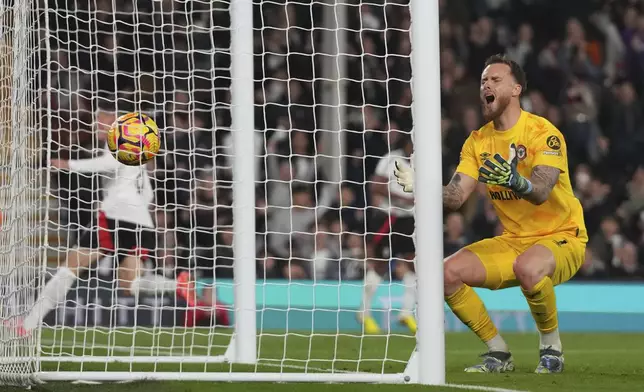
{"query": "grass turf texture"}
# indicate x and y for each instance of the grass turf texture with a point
(594, 362)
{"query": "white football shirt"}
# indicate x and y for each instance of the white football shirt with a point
(126, 193)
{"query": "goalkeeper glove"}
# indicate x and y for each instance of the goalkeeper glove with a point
(505, 173)
(404, 176)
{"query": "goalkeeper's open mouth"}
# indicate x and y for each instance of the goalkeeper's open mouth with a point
(489, 98)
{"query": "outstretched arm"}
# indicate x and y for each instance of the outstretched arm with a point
(101, 164)
(543, 179)
(458, 190)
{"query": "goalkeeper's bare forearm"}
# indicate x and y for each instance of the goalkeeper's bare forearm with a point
(457, 191)
(543, 179)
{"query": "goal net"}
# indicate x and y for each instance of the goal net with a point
(276, 245)
(21, 188)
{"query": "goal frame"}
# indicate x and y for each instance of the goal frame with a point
(427, 363)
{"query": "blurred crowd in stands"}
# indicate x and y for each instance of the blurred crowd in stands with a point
(584, 61)
(585, 66)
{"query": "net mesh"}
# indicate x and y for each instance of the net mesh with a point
(21, 183)
(332, 110)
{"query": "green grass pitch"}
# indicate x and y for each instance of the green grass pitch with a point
(594, 362)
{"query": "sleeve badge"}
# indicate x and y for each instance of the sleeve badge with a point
(553, 142)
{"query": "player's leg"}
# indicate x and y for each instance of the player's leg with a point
(134, 278)
(488, 264)
(377, 237)
(134, 246)
(551, 261)
(534, 268)
(403, 250)
(372, 279)
(91, 245)
(56, 289)
(404, 270)
(207, 306)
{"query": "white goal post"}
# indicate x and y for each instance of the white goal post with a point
(276, 118)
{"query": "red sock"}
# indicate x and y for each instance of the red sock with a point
(189, 319)
(221, 313)
(194, 315)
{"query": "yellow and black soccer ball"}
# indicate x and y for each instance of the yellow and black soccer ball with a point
(134, 139)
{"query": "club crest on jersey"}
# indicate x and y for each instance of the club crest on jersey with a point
(521, 152)
(484, 156)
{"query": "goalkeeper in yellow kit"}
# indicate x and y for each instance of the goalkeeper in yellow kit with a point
(522, 159)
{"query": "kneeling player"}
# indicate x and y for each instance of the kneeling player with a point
(123, 227)
(522, 159)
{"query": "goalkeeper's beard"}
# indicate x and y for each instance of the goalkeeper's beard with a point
(495, 109)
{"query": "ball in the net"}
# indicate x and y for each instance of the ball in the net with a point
(133, 139)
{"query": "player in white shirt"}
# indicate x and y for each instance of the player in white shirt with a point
(390, 226)
(123, 227)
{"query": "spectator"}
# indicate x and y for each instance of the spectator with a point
(267, 267)
(607, 244)
(626, 137)
(625, 264)
(633, 35)
(454, 135)
(576, 55)
(455, 238)
(580, 114)
(536, 103)
(522, 51)
(615, 49)
(483, 44)
(597, 202)
(634, 202)
(453, 36)
(351, 265)
(485, 221)
(551, 77)
(587, 80)
(592, 269)
(290, 235)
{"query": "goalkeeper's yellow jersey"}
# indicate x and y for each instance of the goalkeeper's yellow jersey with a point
(537, 142)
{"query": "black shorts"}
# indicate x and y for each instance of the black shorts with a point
(119, 238)
(390, 235)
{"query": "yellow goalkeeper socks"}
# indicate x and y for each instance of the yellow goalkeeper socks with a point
(469, 308)
(543, 305)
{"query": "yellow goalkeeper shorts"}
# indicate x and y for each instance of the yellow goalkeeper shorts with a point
(499, 253)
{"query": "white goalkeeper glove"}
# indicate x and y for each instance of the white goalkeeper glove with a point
(404, 176)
